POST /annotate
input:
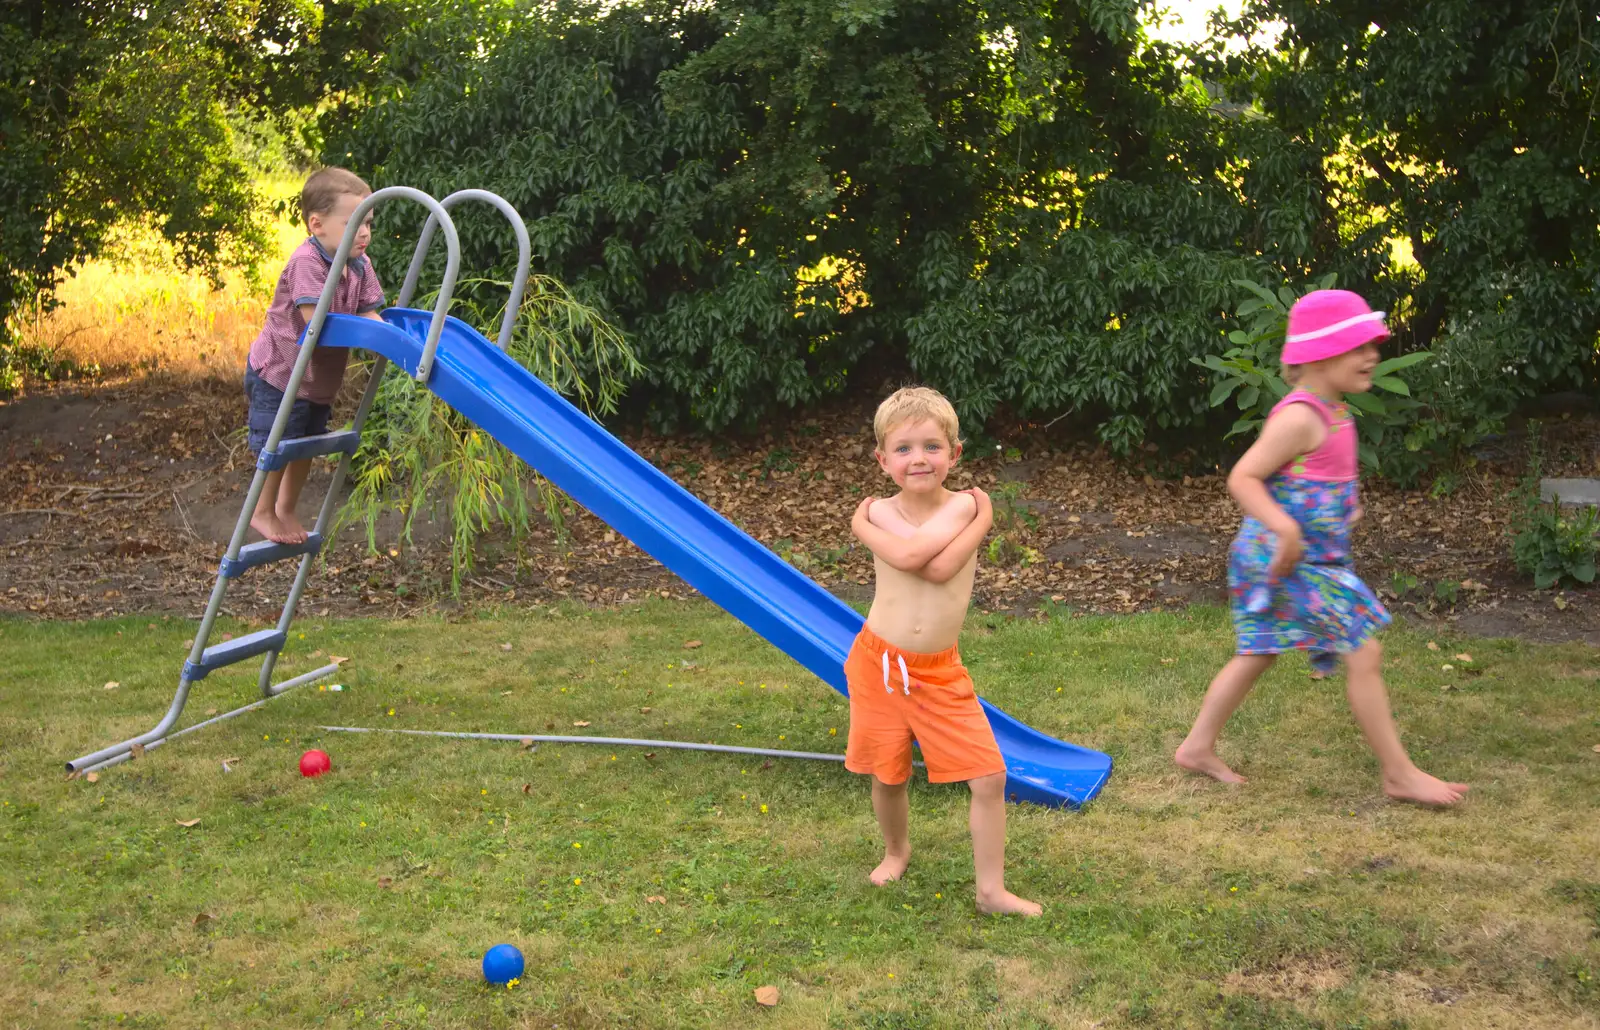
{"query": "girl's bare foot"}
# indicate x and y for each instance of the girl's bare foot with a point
(1004, 903)
(293, 531)
(890, 869)
(270, 528)
(1205, 762)
(1423, 789)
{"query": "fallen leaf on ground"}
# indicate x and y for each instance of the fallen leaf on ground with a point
(645, 710)
(1432, 646)
(1447, 668)
(1464, 658)
(527, 788)
(652, 754)
(505, 693)
(549, 725)
(202, 918)
(337, 659)
(1448, 687)
(137, 751)
(92, 777)
(211, 711)
(505, 647)
(385, 882)
(187, 822)
(581, 722)
(767, 996)
(1596, 749)
(766, 765)
(655, 899)
(690, 665)
(1560, 603)
(317, 653)
(690, 645)
(112, 684)
(527, 743)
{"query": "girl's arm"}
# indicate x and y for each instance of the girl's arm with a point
(908, 554)
(954, 557)
(1295, 430)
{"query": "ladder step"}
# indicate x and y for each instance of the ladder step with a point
(265, 552)
(343, 442)
(228, 652)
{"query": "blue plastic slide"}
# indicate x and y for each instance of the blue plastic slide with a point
(717, 558)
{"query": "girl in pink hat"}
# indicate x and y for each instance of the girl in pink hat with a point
(1289, 574)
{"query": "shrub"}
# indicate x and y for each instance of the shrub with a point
(1547, 543)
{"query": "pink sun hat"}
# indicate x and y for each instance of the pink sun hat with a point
(1327, 323)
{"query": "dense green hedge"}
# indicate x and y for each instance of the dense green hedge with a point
(1021, 203)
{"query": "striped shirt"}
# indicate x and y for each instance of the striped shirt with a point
(273, 353)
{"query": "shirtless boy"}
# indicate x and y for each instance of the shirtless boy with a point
(904, 671)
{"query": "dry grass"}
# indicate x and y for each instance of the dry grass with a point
(135, 310)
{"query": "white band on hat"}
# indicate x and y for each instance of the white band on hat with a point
(1329, 330)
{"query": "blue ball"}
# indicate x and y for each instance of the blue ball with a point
(502, 964)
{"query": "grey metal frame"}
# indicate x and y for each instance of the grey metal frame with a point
(665, 745)
(519, 282)
(270, 641)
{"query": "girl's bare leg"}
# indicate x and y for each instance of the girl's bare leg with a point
(1198, 752)
(1369, 701)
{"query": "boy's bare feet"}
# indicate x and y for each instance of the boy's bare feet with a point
(1007, 904)
(270, 528)
(293, 531)
(1423, 789)
(1205, 762)
(890, 869)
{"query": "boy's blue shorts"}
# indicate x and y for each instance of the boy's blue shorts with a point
(306, 418)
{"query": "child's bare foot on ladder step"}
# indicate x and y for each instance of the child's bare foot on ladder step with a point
(267, 524)
(292, 529)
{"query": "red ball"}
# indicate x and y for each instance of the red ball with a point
(315, 763)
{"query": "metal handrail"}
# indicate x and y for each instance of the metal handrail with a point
(519, 282)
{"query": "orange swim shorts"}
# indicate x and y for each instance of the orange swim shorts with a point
(897, 697)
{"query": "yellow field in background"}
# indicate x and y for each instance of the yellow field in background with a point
(137, 310)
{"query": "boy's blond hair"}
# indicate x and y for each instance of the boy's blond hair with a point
(912, 404)
(322, 191)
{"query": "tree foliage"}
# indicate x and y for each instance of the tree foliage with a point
(1453, 148)
(1020, 201)
(1029, 203)
(118, 112)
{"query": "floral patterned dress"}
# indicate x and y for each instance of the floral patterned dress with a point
(1322, 606)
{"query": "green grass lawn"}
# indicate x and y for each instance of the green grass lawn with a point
(660, 891)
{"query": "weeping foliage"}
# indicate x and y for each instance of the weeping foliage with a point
(418, 456)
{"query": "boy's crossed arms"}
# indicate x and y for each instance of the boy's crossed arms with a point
(935, 550)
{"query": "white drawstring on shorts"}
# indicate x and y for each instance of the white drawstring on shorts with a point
(905, 677)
